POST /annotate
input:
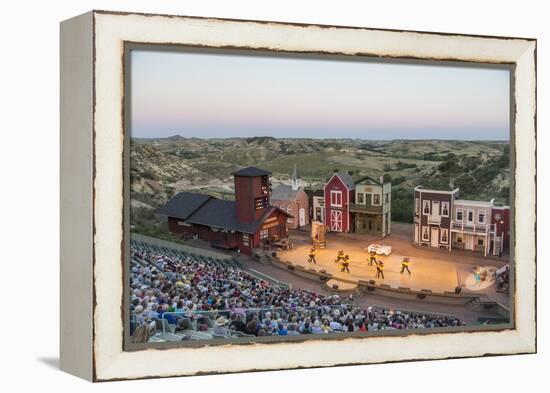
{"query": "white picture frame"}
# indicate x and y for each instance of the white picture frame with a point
(92, 190)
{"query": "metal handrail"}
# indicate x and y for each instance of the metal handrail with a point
(264, 309)
(434, 219)
(366, 208)
(484, 228)
(411, 311)
(265, 277)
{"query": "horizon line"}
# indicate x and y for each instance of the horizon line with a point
(313, 138)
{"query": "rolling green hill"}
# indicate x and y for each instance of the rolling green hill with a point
(162, 167)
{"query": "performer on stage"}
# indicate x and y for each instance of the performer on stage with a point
(405, 265)
(372, 258)
(312, 253)
(380, 269)
(345, 264)
(340, 256)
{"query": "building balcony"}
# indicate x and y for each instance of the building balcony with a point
(472, 228)
(434, 220)
(368, 209)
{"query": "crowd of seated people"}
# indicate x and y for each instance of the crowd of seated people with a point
(194, 294)
(337, 318)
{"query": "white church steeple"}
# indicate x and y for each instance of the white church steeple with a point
(295, 177)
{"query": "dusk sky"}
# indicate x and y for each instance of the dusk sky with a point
(219, 96)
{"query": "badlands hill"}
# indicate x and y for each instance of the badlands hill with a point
(162, 167)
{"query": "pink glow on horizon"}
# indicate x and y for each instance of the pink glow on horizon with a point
(194, 91)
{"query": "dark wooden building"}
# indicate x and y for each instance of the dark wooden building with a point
(371, 211)
(243, 224)
(432, 216)
(442, 219)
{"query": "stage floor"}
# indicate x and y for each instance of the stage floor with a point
(426, 272)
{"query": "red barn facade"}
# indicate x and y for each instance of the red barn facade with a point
(339, 192)
(242, 224)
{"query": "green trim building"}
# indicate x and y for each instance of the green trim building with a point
(371, 210)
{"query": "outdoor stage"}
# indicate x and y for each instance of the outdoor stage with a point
(427, 272)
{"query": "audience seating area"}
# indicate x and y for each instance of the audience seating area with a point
(175, 296)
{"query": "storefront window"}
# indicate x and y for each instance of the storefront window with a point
(426, 208)
(445, 209)
(443, 235)
(289, 211)
(336, 198)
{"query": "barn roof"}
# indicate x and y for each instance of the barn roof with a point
(284, 192)
(251, 171)
(222, 214)
(344, 178)
(202, 209)
(368, 180)
(183, 205)
(311, 193)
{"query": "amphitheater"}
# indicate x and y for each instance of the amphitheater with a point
(182, 292)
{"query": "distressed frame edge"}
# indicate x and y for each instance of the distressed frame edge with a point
(306, 24)
(528, 339)
(76, 196)
(526, 125)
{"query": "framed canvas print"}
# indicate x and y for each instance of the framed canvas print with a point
(247, 195)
